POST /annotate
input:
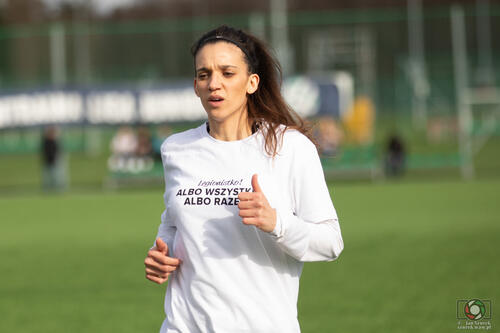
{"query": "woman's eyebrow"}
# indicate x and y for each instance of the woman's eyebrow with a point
(204, 69)
(227, 66)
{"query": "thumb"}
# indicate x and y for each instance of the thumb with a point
(255, 184)
(161, 246)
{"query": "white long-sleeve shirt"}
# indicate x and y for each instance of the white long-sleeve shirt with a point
(234, 277)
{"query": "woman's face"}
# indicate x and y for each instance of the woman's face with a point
(222, 81)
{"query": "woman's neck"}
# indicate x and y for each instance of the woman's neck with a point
(230, 129)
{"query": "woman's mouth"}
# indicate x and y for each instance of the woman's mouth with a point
(215, 100)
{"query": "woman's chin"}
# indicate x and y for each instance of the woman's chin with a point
(223, 113)
(217, 114)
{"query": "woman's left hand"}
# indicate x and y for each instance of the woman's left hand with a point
(255, 209)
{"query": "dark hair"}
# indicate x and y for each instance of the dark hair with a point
(266, 106)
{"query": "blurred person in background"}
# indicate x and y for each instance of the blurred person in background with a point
(395, 156)
(123, 148)
(144, 151)
(359, 121)
(246, 203)
(124, 143)
(144, 143)
(53, 173)
(329, 136)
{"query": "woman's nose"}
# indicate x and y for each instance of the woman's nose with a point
(214, 83)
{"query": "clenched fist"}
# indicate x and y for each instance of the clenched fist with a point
(158, 264)
(255, 209)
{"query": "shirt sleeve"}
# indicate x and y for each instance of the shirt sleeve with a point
(311, 232)
(166, 230)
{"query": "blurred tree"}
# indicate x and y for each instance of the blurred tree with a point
(24, 55)
(35, 11)
(4, 46)
(24, 11)
(98, 45)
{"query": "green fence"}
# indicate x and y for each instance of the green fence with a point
(143, 52)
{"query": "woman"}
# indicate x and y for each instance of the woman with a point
(245, 196)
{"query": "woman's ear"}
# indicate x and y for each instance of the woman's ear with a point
(253, 83)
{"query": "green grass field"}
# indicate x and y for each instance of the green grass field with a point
(73, 263)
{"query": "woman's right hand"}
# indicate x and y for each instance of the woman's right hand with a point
(158, 264)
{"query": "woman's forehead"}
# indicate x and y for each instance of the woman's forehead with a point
(219, 53)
